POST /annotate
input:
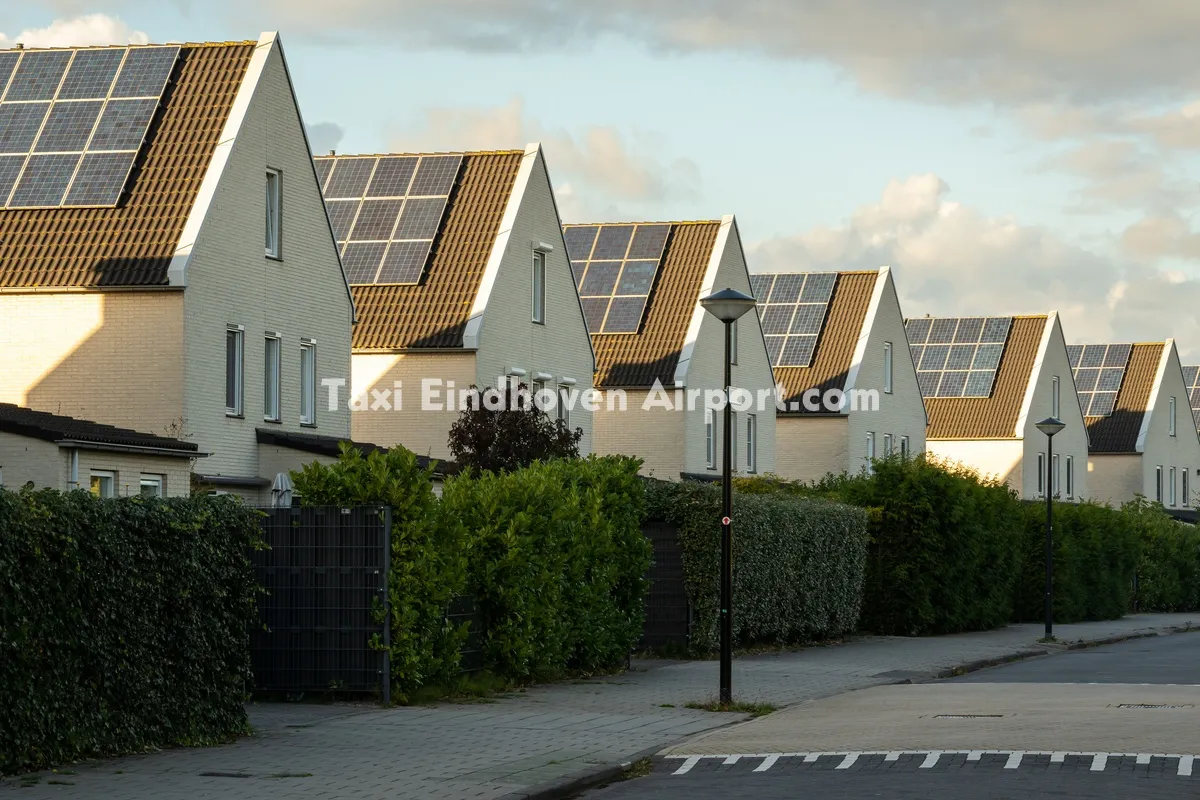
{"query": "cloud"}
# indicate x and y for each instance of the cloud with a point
(952, 260)
(324, 136)
(89, 29)
(599, 170)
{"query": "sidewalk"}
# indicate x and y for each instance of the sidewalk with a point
(524, 742)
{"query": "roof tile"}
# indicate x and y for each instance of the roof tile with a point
(1118, 432)
(55, 427)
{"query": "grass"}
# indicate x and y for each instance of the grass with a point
(753, 709)
(638, 769)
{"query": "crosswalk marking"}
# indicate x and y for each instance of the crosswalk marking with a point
(1185, 765)
(931, 759)
(1014, 760)
(848, 761)
(766, 764)
(1099, 762)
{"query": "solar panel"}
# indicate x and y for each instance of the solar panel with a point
(957, 356)
(791, 309)
(614, 268)
(1191, 379)
(386, 211)
(61, 116)
(1098, 370)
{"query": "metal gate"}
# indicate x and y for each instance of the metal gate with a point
(668, 613)
(325, 581)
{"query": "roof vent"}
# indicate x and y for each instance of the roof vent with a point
(333, 152)
(19, 46)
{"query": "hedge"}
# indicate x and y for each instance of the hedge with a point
(1168, 568)
(428, 559)
(123, 624)
(557, 563)
(798, 563)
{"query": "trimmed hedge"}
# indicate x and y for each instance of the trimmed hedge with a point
(557, 563)
(798, 563)
(123, 624)
(1168, 570)
(428, 559)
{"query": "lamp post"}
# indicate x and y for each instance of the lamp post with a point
(727, 305)
(1050, 426)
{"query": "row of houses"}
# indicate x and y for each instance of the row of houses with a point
(149, 346)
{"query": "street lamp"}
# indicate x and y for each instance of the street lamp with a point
(1050, 426)
(727, 305)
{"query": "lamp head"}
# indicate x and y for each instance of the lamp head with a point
(1051, 426)
(727, 304)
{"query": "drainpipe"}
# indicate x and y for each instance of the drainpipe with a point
(74, 468)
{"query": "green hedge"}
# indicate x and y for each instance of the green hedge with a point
(557, 563)
(1095, 554)
(1168, 569)
(428, 560)
(123, 624)
(798, 563)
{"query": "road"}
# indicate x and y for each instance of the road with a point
(1118, 721)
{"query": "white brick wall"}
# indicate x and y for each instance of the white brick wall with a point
(654, 435)
(1115, 478)
(47, 465)
(25, 459)
(1181, 451)
(994, 458)
(809, 448)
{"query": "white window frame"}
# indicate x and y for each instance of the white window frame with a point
(1041, 475)
(887, 444)
(538, 281)
(1171, 491)
(733, 342)
(904, 447)
(1158, 484)
(1070, 477)
(308, 382)
(870, 452)
(96, 483)
(536, 386)
(274, 217)
(733, 442)
(1056, 477)
(564, 404)
(887, 367)
(157, 482)
(237, 392)
(272, 373)
(1055, 398)
(1171, 426)
(1185, 501)
(751, 443)
(710, 438)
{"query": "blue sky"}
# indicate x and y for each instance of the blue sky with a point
(1001, 165)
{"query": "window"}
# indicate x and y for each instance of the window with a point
(152, 486)
(733, 342)
(271, 378)
(536, 388)
(710, 444)
(1054, 398)
(274, 204)
(308, 382)
(1041, 472)
(1171, 418)
(1158, 487)
(887, 367)
(234, 377)
(539, 287)
(1171, 488)
(887, 445)
(733, 429)
(870, 452)
(1070, 477)
(904, 447)
(751, 443)
(104, 484)
(564, 404)
(1186, 500)
(1055, 477)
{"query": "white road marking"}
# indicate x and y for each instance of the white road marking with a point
(974, 755)
(1057, 758)
(731, 759)
(1185, 765)
(811, 757)
(687, 765)
(1014, 760)
(766, 764)
(848, 761)
(1099, 762)
(931, 759)
(1143, 758)
(893, 756)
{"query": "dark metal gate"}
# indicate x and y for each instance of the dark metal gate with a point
(325, 577)
(668, 614)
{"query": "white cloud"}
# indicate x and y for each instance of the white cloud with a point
(89, 29)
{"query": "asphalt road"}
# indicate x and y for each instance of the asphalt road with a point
(1167, 661)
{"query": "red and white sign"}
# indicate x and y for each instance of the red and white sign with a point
(725, 520)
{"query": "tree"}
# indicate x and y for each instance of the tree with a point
(504, 429)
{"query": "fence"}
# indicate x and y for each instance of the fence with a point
(668, 614)
(325, 577)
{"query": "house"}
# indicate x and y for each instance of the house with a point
(658, 351)
(847, 384)
(166, 263)
(987, 382)
(1191, 380)
(460, 277)
(1143, 436)
(56, 452)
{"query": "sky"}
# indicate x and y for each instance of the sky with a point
(1007, 157)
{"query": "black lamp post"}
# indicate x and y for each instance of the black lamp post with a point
(1050, 426)
(727, 305)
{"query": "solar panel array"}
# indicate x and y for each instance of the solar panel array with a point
(957, 356)
(614, 268)
(791, 309)
(386, 211)
(1099, 370)
(72, 122)
(1191, 377)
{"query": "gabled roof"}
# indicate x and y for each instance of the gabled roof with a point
(132, 244)
(62, 430)
(632, 360)
(834, 353)
(995, 416)
(330, 446)
(1119, 431)
(434, 312)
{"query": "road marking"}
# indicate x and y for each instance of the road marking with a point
(1185, 765)
(731, 760)
(687, 765)
(811, 757)
(1014, 760)
(1143, 758)
(974, 755)
(931, 759)
(848, 761)
(893, 756)
(1057, 758)
(766, 764)
(1099, 762)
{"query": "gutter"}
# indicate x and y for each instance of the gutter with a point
(78, 445)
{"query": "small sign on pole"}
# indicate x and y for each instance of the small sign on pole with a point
(725, 520)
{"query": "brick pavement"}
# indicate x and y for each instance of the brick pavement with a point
(524, 739)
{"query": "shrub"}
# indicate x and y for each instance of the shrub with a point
(428, 560)
(1095, 553)
(557, 563)
(1168, 569)
(123, 624)
(514, 435)
(798, 562)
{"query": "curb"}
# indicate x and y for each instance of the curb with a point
(577, 782)
(984, 663)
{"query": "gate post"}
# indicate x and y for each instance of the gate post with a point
(387, 606)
